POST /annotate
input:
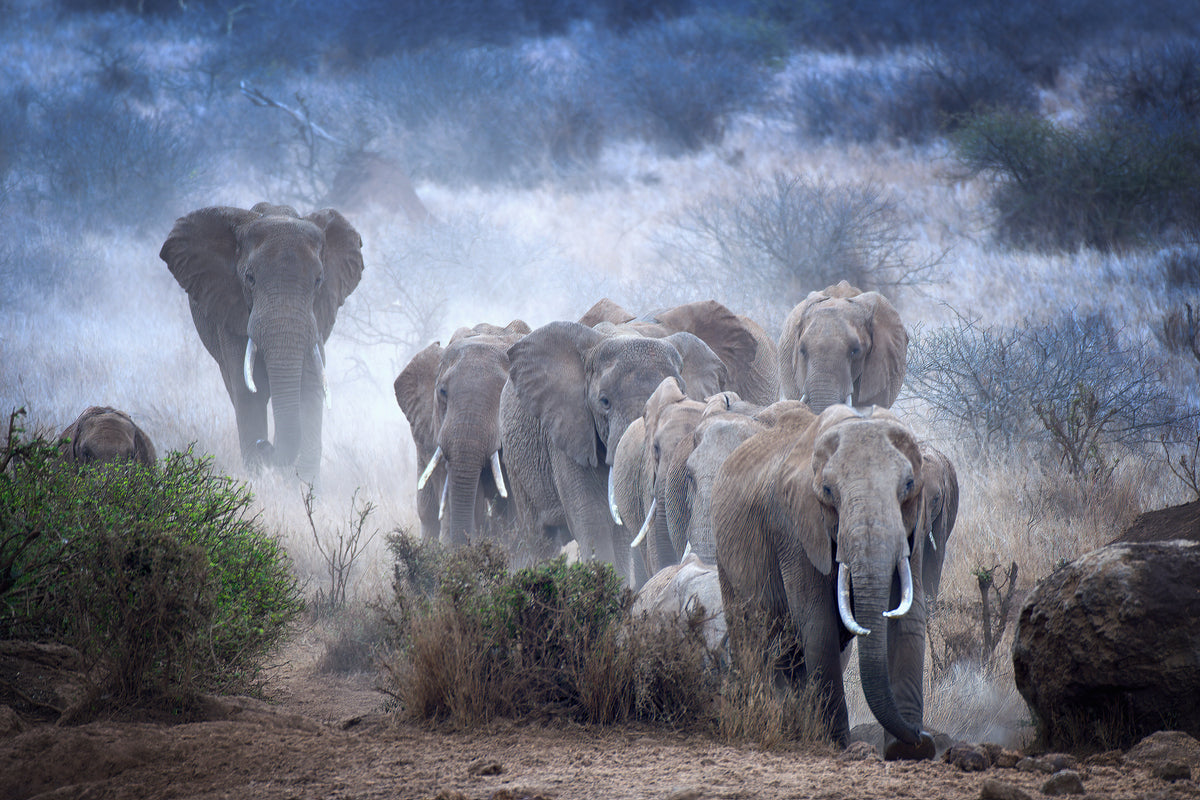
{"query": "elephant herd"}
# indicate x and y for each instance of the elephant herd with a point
(646, 439)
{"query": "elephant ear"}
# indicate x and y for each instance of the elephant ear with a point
(667, 393)
(605, 310)
(546, 369)
(885, 364)
(726, 334)
(201, 252)
(793, 497)
(342, 258)
(414, 394)
(703, 372)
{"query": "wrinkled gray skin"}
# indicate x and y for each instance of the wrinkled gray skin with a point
(749, 354)
(692, 470)
(639, 472)
(451, 398)
(571, 393)
(841, 345)
(276, 278)
(102, 434)
(798, 500)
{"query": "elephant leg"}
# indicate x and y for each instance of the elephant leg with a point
(250, 408)
(584, 496)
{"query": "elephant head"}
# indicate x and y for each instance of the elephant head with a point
(572, 392)
(451, 397)
(823, 521)
(841, 345)
(749, 355)
(102, 434)
(264, 287)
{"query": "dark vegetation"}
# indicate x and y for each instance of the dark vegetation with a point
(159, 577)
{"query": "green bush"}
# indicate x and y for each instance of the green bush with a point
(477, 642)
(159, 576)
(1114, 182)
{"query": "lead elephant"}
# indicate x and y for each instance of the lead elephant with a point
(748, 353)
(571, 393)
(264, 287)
(102, 434)
(821, 530)
(841, 345)
(451, 398)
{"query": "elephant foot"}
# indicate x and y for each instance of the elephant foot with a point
(923, 750)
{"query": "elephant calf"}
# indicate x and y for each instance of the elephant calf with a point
(102, 434)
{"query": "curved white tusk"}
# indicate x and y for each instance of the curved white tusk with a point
(248, 365)
(932, 541)
(687, 551)
(442, 502)
(847, 402)
(843, 597)
(321, 369)
(612, 499)
(906, 591)
(429, 468)
(496, 473)
(645, 525)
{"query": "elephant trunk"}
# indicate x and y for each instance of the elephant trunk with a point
(822, 392)
(462, 477)
(294, 374)
(872, 589)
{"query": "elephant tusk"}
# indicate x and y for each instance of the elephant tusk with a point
(645, 525)
(248, 365)
(687, 551)
(496, 473)
(442, 502)
(612, 500)
(843, 596)
(321, 369)
(429, 468)
(906, 592)
(932, 541)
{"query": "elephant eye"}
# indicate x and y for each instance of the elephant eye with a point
(250, 279)
(908, 487)
(442, 392)
(827, 493)
(320, 280)
(604, 403)
(854, 351)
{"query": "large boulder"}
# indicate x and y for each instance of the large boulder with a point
(1176, 522)
(1107, 647)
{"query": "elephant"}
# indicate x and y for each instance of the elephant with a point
(692, 467)
(451, 398)
(639, 469)
(841, 345)
(571, 393)
(264, 287)
(102, 434)
(823, 524)
(748, 353)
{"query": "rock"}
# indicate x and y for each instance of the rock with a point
(10, 723)
(968, 758)
(1172, 771)
(1176, 522)
(688, 793)
(1163, 746)
(1065, 781)
(859, 751)
(1109, 758)
(1031, 764)
(1001, 756)
(1056, 762)
(1001, 790)
(1126, 618)
(485, 766)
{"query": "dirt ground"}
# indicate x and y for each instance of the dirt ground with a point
(327, 737)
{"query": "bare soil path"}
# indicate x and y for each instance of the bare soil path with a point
(327, 737)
